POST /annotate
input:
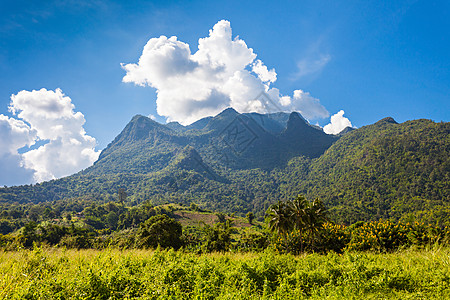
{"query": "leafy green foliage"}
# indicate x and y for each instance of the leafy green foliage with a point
(146, 226)
(380, 236)
(279, 217)
(307, 219)
(297, 221)
(218, 237)
(112, 274)
(388, 236)
(250, 217)
(159, 230)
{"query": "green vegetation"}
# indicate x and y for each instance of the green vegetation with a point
(170, 188)
(294, 226)
(220, 256)
(385, 170)
(301, 226)
(160, 230)
(142, 274)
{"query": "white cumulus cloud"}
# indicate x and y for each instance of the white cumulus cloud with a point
(46, 116)
(223, 72)
(309, 106)
(338, 123)
(14, 134)
(263, 73)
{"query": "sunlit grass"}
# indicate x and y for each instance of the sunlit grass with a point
(146, 274)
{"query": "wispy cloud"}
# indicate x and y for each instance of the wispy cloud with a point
(311, 65)
(313, 58)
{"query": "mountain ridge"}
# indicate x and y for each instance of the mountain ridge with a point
(239, 136)
(243, 162)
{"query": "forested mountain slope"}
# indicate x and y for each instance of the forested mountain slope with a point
(245, 162)
(386, 170)
(228, 140)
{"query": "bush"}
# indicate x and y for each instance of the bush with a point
(332, 237)
(159, 230)
(389, 236)
(253, 242)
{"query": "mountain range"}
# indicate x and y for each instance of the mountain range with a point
(245, 162)
(230, 139)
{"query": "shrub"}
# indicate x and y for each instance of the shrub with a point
(159, 230)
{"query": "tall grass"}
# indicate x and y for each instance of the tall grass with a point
(139, 274)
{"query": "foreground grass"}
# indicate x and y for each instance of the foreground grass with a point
(114, 274)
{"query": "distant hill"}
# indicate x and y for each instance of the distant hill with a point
(245, 162)
(386, 170)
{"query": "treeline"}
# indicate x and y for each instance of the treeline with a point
(302, 226)
(293, 226)
(83, 223)
(159, 230)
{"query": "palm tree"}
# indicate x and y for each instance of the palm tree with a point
(315, 218)
(279, 218)
(299, 212)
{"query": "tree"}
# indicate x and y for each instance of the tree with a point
(299, 210)
(218, 237)
(122, 195)
(307, 218)
(250, 217)
(315, 218)
(221, 217)
(6, 227)
(28, 235)
(52, 234)
(160, 230)
(111, 220)
(279, 218)
(193, 207)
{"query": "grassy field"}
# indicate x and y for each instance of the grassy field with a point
(138, 274)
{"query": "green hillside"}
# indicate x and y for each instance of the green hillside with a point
(245, 162)
(386, 170)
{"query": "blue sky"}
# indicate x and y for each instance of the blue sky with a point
(372, 59)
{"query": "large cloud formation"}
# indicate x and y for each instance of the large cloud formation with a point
(48, 124)
(223, 73)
